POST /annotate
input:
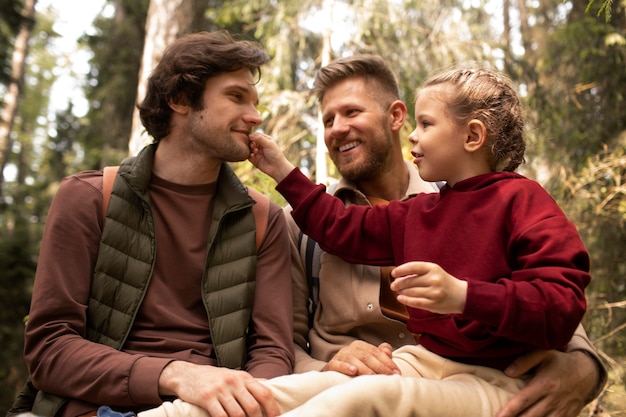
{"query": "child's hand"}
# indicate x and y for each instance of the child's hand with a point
(267, 156)
(427, 286)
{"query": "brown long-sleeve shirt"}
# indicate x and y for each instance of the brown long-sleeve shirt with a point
(171, 323)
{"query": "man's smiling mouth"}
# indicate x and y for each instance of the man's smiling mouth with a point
(348, 146)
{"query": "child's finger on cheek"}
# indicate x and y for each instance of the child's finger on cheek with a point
(265, 137)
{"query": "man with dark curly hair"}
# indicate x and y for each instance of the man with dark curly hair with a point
(184, 289)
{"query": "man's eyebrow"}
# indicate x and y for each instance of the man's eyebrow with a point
(246, 89)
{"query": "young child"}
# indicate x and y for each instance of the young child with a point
(489, 269)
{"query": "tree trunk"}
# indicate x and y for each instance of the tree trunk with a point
(321, 167)
(167, 20)
(13, 92)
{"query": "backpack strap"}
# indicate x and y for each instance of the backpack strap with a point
(310, 252)
(108, 177)
(261, 209)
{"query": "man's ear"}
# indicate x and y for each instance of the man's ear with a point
(397, 115)
(179, 108)
(476, 135)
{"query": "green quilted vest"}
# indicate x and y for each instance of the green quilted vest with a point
(126, 260)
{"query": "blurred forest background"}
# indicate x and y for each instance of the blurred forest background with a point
(567, 57)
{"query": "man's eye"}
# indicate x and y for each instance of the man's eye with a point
(328, 122)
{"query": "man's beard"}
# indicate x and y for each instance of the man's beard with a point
(366, 169)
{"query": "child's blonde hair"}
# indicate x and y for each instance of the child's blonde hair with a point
(489, 96)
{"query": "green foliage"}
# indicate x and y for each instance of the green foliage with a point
(258, 180)
(30, 127)
(580, 104)
(17, 266)
(25, 205)
(26, 201)
(111, 86)
(605, 8)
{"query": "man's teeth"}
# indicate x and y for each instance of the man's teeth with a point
(348, 146)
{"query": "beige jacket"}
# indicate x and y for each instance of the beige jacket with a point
(349, 307)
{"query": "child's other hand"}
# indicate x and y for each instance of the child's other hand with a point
(267, 156)
(427, 286)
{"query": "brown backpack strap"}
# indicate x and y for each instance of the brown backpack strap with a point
(261, 212)
(108, 177)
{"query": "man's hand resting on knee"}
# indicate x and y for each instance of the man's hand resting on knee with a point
(221, 392)
(362, 358)
(563, 383)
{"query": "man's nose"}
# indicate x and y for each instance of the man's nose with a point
(253, 117)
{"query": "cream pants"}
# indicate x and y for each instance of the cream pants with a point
(430, 386)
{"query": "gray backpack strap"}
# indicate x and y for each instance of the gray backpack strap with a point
(310, 252)
(24, 401)
(47, 404)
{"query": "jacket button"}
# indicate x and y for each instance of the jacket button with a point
(370, 306)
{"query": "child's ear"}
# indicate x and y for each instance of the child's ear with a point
(476, 135)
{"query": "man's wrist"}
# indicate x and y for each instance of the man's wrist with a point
(168, 378)
(144, 379)
(600, 375)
